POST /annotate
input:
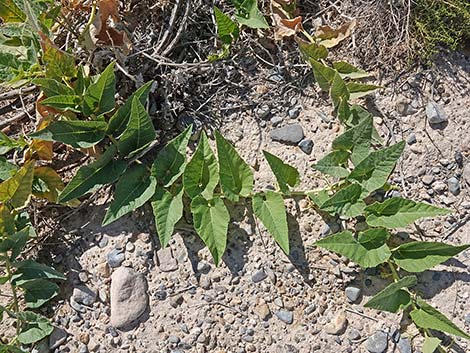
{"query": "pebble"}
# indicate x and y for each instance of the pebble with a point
(290, 134)
(276, 120)
(306, 145)
(129, 298)
(263, 111)
(84, 295)
(338, 325)
(310, 309)
(411, 139)
(294, 112)
(83, 277)
(115, 258)
(285, 316)
(454, 186)
(427, 179)
(377, 343)
(404, 345)
(354, 334)
(203, 267)
(259, 276)
(435, 113)
(176, 300)
(174, 339)
(262, 310)
(167, 263)
(352, 293)
(57, 338)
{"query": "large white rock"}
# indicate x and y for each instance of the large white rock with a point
(129, 298)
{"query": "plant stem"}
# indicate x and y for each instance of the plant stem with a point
(395, 275)
(14, 295)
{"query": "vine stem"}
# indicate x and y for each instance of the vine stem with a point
(14, 295)
(395, 275)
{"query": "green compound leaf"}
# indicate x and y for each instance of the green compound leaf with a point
(38, 292)
(419, 256)
(393, 297)
(63, 103)
(171, 159)
(201, 174)
(249, 15)
(139, 131)
(345, 202)
(270, 209)
(286, 175)
(373, 171)
(323, 74)
(99, 96)
(338, 91)
(227, 30)
(236, 177)
(118, 122)
(431, 344)
(76, 133)
(29, 270)
(356, 140)
(134, 188)
(16, 190)
(427, 317)
(103, 171)
(397, 212)
(369, 250)
(333, 164)
(52, 87)
(211, 219)
(357, 90)
(34, 327)
(167, 210)
(346, 70)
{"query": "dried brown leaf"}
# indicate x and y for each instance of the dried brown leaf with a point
(331, 37)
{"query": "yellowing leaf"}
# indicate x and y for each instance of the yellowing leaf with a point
(17, 190)
(9, 12)
(51, 180)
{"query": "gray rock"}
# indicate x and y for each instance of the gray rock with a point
(354, 334)
(310, 309)
(427, 179)
(103, 242)
(294, 112)
(84, 295)
(276, 120)
(115, 258)
(166, 260)
(404, 345)
(352, 293)
(77, 307)
(203, 267)
(290, 134)
(306, 145)
(259, 276)
(377, 343)
(404, 107)
(263, 111)
(278, 302)
(129, 298)
(454, 186)
(330, 228)
(57, 338)
(174, 339)
(467, 318)
(176, 300)
(411, 139)
(285, 316)
(435, 113)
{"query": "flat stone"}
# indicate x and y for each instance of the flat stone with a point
(259, 276)
(166, 260)
(454, 186)
(435, 113)
(285, 316)
(377, 343)
(352, 293)
(404, 345)
(290, 134)
(276, 120)
(57, 338)
(129, 298)
(306, 145)
(427, 179)
(338, 325)
(84, 295)
(115, 258)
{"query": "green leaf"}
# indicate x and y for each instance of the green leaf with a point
(76, 133)
(63, 103)
(134, 188)
(236, 177)
(286, 175)
(338, 90)
(201, 174)
(270, 209)
(38, 292)
(345, 202)
(369, 250)
(7, 144)
(171, 159)
(393, 297)
(418, 256)
(51, 87)
(346, 70)
(103, 171)
(16, 190)
(373, 171)
(139, 131)
(7, 169)
(428, 317)
(29, 270)
(323, 74)
(227, 30)
(311, 51)
(15, 242)
(319, 197)
(58, 63)
(357, 90)
(99, 97)
(249, 15)
(9, 12)
(168, 210)
(397, 212)
(430, 344)
(118, 122)
(211, 219)
(333, 164)
(356, 140)
(35, 327)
